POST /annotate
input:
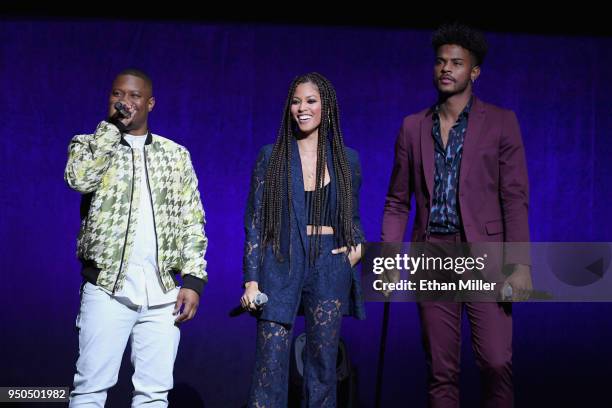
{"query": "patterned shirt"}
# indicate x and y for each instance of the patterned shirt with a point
(444, 217)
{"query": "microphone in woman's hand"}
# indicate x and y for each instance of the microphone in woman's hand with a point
(260, 300)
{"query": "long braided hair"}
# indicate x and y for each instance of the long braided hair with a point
(278, 188)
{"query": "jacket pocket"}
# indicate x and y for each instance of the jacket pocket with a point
(494, 227)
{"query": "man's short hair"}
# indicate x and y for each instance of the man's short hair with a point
(464, 36)
(137, 73)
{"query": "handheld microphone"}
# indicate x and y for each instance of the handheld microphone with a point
(260, 300)
(122, 109)
(507, 292)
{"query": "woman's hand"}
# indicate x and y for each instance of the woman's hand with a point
(248, 298)
(354, 256)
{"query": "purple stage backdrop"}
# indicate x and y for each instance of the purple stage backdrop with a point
(220, 90)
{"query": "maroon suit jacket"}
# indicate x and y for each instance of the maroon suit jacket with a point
(493, 183)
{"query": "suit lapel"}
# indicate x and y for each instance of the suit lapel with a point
(297, 191)
(472, 139)
(427, 151)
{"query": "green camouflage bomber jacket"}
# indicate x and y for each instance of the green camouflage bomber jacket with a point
(107, 171)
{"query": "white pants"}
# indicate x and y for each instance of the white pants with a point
(105, 325)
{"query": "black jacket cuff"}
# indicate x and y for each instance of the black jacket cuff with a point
(193, 283)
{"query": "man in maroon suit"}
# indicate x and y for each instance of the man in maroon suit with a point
(463, 161)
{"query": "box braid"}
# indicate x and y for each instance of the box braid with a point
(278, 174)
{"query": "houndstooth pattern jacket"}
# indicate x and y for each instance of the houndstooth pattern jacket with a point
(106, 170)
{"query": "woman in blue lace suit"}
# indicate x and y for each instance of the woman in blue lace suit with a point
(303, 238)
